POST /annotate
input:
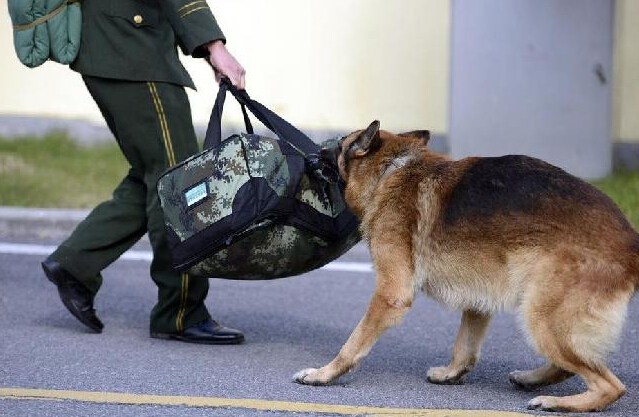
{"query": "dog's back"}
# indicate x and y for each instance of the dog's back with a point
(522, 201)
(485, 224)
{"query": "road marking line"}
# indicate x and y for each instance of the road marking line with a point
(139, 255)
(44, 250)
(251, 404)
(349, 267)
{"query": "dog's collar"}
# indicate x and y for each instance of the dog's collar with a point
(395, 164)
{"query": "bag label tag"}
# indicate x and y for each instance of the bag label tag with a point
(196, 194)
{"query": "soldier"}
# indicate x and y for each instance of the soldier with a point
(128, 60)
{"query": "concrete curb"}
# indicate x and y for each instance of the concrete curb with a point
(38, 223)
(51, 214)
(43, 224)
(52, 226)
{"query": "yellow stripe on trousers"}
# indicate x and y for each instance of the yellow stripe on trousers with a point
(170, 156)
(166, 134)
(179, 321)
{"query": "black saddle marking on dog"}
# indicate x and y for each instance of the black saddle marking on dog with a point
(514, 184)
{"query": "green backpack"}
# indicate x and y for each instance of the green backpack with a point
(46, 29)
(255, 207)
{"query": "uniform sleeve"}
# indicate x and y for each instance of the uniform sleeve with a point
(193, 24)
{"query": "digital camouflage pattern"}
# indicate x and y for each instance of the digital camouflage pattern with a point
(263, 251)
(225, 170)
(270, 252)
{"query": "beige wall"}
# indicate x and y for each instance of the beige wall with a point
(334, 64)
(626, 91)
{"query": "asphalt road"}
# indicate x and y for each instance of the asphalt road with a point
(289, 324)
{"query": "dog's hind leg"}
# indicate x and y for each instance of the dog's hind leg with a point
(575, 331)
(393, 297)
(466, 350)
(548, 374)
(603, 389)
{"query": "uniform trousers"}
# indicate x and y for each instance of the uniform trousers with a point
(151, 122)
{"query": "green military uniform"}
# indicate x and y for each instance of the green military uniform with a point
(128, 60)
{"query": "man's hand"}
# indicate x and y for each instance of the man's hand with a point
(225, 65)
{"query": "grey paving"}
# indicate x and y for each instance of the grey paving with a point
(290, 324)
(87, 132)
(90, 133)
(625, 156)
(82, 131)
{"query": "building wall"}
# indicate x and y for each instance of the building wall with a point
(533, 79)
(626, 91)
(333, 65)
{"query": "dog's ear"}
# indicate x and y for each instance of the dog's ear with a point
(367, 140)
(424, 135)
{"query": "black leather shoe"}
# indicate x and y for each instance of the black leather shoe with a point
(208, 332)
(75, 296)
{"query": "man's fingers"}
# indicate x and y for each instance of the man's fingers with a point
(235, 74)
(237, 77)
(225, 64)
(234, 79)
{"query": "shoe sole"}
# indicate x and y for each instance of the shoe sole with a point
(51, 277)
(177, 337)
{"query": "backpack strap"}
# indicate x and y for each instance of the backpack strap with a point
(46, 17)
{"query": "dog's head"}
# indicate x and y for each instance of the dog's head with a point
(363, 143)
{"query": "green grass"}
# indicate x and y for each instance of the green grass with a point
(623, 188)
(55, 172)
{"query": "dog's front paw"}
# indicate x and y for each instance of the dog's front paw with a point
(446, 375)
(310, 376)
(544, 403)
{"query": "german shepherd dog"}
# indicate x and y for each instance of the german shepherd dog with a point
(486, 234)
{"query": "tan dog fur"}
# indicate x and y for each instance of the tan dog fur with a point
(483, 235)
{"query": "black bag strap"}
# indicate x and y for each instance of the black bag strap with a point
(283, 129)
(214, 130)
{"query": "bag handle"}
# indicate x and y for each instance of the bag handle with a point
(213, 136)
(282, 129)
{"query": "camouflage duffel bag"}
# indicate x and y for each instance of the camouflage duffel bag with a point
(253, 207)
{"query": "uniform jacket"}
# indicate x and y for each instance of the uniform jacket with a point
(137, 40)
